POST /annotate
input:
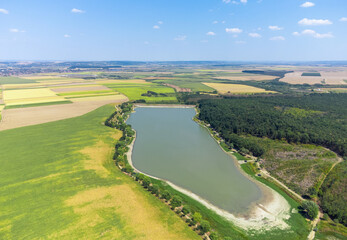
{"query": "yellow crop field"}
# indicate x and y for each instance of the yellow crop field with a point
(132, 81)
(28, 93)
(224, 88)
(25, 101)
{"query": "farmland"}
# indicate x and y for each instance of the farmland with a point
(65, 185)
(223, 88)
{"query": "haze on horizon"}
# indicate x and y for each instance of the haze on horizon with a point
(155, 30)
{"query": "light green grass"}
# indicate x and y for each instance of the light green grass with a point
(134, 91)
(42, 167)
(15, 80)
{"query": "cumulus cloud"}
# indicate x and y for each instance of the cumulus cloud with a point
(243, 1)
(214, 22)
(307, 4)
(235, 2)
(275, 28)
(254, 35)
(14, 30)
(75, 10)
(312, 33)
(314, 22)
(278, 38)
(4, 11)
(210, 33)
(343, 19)
(156, 27)
(160, 22)
(233, 30)
(67, 36)
(240, 42)
(180, 38)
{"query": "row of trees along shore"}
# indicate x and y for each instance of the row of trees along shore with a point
(193, 219)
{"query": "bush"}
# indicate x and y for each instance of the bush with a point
(154, 189)
(146, 181)
(166, 195)
(214, 236)
(185, 210)
(311, 209)
(197, 217)
(176, 201)
(205, 226)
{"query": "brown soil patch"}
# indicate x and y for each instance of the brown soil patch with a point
(327, 77)
(20, 117)
(177, 88)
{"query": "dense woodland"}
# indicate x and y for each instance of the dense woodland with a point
(317, 118)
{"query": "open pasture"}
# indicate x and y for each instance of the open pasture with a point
(14, 80)
(58, 181)
(225, 88)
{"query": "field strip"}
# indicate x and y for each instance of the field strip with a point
(19, 117)
(225, 88)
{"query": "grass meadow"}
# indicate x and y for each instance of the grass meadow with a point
(58, 181)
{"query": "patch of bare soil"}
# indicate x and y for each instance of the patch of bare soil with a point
(177, 88)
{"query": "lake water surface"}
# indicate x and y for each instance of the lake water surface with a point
(171, 146)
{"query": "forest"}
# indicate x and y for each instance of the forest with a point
(319, 119)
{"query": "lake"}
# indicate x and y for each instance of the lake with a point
(171, 146)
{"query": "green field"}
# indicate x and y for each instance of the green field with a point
(134, 92)
(15, 80)
(58, 181)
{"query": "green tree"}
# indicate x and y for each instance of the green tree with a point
(214, 236)
(197, 217)
(166, 195)
(311, 209)
(146, 181)
(205, 226)
(176, 201)
(139, 177)
(185, 210)
(154, 189)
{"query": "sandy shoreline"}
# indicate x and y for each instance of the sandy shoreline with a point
(269, 212)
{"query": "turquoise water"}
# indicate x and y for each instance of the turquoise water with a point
(171, 146)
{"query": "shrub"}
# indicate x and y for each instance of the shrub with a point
(197, 217)
(205, 226)
(185, 210)
(214, 236)
(311, 209)
(166, 195)
(146, 181)
(176, 201)
(154, 189)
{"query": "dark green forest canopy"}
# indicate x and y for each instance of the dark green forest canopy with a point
(317, 118)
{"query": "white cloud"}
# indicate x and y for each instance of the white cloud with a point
(14, 30)
(160, 22)
(67, 36)
(4, 11)
(210, 33)
(307, 4)
(254, 35)
(233, 30)
(315, 34)
(180, 38)
(275, 28)
(214, 22)
(296, 33)
(156, 27)
(243, 1)
(278, 38)
(226, 1)
(314, 22)
(343, 19)
(234, 2)
(75, 10)
(240, 42)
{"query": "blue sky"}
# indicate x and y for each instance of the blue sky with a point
(149, 30)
